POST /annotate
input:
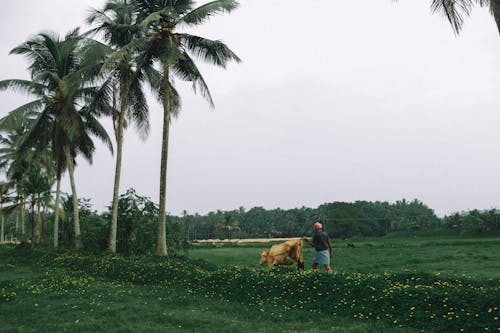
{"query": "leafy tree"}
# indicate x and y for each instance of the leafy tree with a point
(228, 224)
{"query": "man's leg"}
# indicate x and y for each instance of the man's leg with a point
(328, 268)
(315, 267)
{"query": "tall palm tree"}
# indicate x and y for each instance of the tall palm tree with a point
(162, 45)
(116, 22)
(67, 106)
(30, 171)
(456, 10)
(13, 160)
(4, 189)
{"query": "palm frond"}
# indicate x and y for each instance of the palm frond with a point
(96, 129)
(186, 70)
(212, 51)
(454, 10)
(139, 113)
(175, 102)
(495, 10)
(15, 117)
(157, 17)
(204, 12)
(25, 86)
(123, 54)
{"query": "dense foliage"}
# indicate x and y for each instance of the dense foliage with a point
(342, 219)
(137, 214)
(474, 221)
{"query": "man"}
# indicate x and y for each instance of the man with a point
(322, 246)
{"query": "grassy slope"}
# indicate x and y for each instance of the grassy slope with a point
(56, 300)
(476, 258)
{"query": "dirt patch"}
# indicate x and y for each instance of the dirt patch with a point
(10, 242)
(245, 240)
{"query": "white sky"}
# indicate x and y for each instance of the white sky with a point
(335, 101)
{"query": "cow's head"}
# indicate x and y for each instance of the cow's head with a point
(263, 256)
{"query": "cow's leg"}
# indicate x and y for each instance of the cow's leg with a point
(300, 258)
(300, 265)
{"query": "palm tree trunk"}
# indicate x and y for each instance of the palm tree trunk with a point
(17, 225)
(32, 221)
(2, 225)
(39, 219)
(2, 230)
(56, 212)
(116, 188)
(23, 221)
(78, 240)
(161, 249)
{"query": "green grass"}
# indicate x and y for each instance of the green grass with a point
(476, 258)
(48, 292)
(53, 299)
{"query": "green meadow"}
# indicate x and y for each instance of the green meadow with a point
(381, 285)
(477, 258)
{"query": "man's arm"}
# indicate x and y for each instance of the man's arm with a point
(330, 248)
(308, 241)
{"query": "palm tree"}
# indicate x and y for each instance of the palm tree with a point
(66, 105)
(29, 171)
(36, 182)
(456, 10)
(13, 160)
(162, 45)
(4, 189)
(116, 21)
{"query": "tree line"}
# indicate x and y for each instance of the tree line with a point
(138, 215)
(340, 219)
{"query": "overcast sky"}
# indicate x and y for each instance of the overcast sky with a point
(334, 101)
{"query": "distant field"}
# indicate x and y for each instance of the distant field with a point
(469, 257)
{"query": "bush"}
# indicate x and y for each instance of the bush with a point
(427, 302)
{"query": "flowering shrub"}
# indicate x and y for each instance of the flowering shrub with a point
(424, 301)
(7, 294)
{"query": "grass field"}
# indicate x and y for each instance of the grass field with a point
(477, 258)
(47, 292)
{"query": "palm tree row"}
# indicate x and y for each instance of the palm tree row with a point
(76, 80)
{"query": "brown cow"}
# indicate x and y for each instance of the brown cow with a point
(285, 253)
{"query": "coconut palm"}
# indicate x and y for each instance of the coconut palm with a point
(66, 105)
(4, 192)
(36, 182)
(456, 10)
(161, 44)
(116, 22)
(30, 171)
(14, 161)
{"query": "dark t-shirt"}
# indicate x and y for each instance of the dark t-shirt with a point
(320, 240)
